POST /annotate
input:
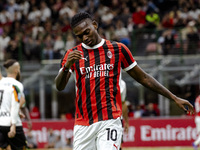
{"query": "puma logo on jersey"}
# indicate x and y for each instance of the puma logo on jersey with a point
(86, 58)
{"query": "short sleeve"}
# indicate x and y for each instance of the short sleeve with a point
(127, 60)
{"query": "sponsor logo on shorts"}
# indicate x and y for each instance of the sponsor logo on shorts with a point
(115, 146)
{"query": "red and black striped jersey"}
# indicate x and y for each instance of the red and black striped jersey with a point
(97, 77)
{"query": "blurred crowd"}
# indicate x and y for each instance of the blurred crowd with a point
(40, 29)
(139, 111)
(53, 141)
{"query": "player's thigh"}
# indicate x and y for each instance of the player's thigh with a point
(19, 141)
(84, 137)
(3, 137)
(110, 135)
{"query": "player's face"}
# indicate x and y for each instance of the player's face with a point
(87, 33)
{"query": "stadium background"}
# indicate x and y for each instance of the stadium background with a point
(37, 33)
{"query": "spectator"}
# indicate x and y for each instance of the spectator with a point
(107, 18)
(122, 33)
(37, 29)
(34, 14)
(65, 12)
(66, 26)
(169, 42)
(110, 33)
(139, 18)
(31, 140)
(45, 12)
(5, 17)
(192, 38)
(168, 20)
(24, 7)
(56, 8)
(68, 143)
(152, 19)
(138, 112)
(48, 47)
(70, 42)
(32, 48)
(4, 42)
(150, 111)
(12, 6)
(51, 139)
(13, 48)
(59, 143)
(124, 17)
(90, 8)
(58, 47)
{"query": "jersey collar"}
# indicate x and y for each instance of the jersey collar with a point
(95, 46)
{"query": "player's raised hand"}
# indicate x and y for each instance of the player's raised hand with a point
(72, 57)
(182, 103)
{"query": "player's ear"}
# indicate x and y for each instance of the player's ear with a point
(95, 24)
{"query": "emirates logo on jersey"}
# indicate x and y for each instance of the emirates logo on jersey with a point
(109, 54)
(97, 70)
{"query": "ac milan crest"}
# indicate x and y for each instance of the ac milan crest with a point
(109, 54)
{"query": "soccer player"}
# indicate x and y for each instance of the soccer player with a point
(124, 108)
(197, 122)
(13, 71)
(9, 108)
(13, 75)
(97, 64)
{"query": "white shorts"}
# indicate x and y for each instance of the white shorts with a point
(103, 135)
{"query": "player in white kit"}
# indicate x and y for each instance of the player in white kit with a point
(197, 122)
(19, 140)
(10, 123)
(125, 122)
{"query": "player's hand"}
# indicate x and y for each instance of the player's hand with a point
(21, 115)
(29, 125)
(126, 127)
(182, 103)
(12, 132)
(72, 57)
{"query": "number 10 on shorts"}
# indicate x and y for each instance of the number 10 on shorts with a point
(111, 134)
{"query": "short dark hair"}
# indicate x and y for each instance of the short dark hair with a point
(9, 63)
(79, 17)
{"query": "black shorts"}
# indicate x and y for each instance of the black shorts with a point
(16, 143)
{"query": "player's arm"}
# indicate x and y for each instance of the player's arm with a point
(25, 111)
(148, 81)
(62, 78)
(125, 116)
(15, 105)
(22, 101)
